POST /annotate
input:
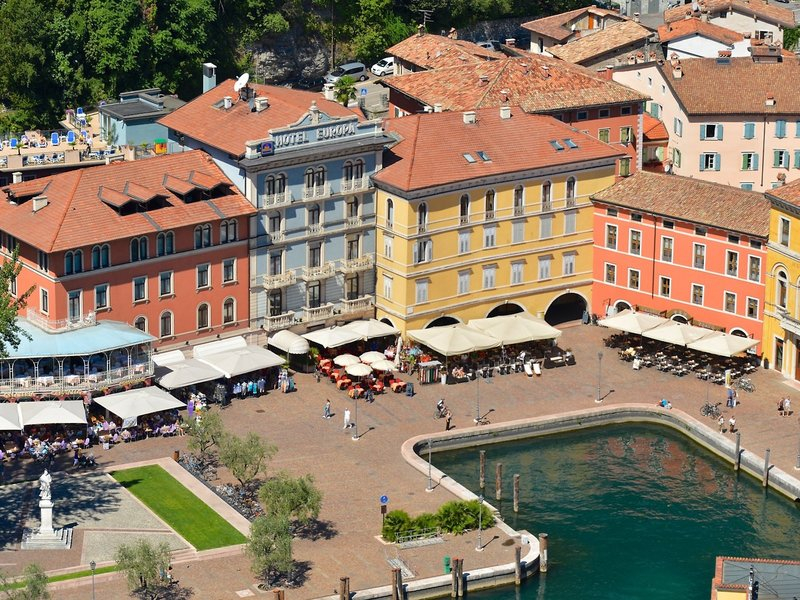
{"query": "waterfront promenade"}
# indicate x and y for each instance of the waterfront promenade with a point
(353, 475)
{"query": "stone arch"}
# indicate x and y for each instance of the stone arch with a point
(738, 331)
(388, 321)
(621, 305)
(442, 321)
(566, 307)
(507, 308)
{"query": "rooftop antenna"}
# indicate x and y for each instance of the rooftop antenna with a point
(426, 16)
(241, 84)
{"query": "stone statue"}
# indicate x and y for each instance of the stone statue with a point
(44, 485)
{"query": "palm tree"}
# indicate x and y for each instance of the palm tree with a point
(345, 90)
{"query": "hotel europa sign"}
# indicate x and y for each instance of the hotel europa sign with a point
(318, 133)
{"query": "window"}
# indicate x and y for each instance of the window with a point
(387, 287)
(73, 261)
(625, 167)
(730, 302)
(489, 212)
(489, 277)
(12, 286)
(666, 249)
(314, 295)
(676, 157)
(570, 222)
(101, 296)
(165, 324)
(700, 231)
(749, 161)
(275, 300)
(203, 276)
(699, 256)
(625, 110)
(165, 283)
(568, 264)
(74, 305)
(746, 186)
(489, 236)
(202, 236)
(546, 226)
(274, 224)
(229, 270)
(463, 242)
(611, 273)
(138, 249)
(784, 232)
(547, 195)
(780, 128)
(389, 213)
(571, 191)
(140, 323)
(797, 159)
(315, 255)
(755, 244)
(664, 287)
(636, 242)
(797, 129)
(422, 218)
(421, 286)
(749, 131)
(668, 224)
(312, 217)
(228, 311)
(388, 245)
(709, 161)
(633, 279)
(780, 159)
(697, 294)
(202, 316)
(603, 134)
(732, 263)
(274, 185)
(353, 249)
(165, 243)
(463, 208)
(611, 237)
(43, 260)
(44, 301)
(227, 231)
(423, 251)
(139, 289)
(677, 126)
(544, 267)
(351, 287)
(611, 212)
(782, 290)
(603, 113)
(519, 200)
(101, 257)
(517, 272)
(352, 208)
(655, 110)
(625, 135)
(582, 115)
(752, 308)
(463, 282)
(754, 268)
(710, 131)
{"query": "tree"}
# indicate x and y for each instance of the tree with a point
(790, 38)
(145, 566)
(34, 585)
(10, 305)
(295, 497)
(377, 28)
(205, 433)
(345, 89)
(270, 546)
(245, 457)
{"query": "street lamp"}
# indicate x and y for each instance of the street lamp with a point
(478, 419)
(598, 400)
(92, 566)
(355, 431)
(479, 547)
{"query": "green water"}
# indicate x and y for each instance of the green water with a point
(633, 511)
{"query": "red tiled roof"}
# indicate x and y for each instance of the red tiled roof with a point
(653, 129)
(601, 42)
(757, 8)
(789, 193)
(204, 118)
(78, 214)
(555, 26)
(694, 26)
(536, 83)
(434, 51)
(522, 142)
(693, 200)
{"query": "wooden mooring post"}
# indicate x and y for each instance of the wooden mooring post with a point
(498, 481)
(278, 594)
(482, 481)
(516, 492)
(737, 459)
(543, 558)
(344, 588)
(454, 577)
(394, 584)
(517, 564)
(765, 478)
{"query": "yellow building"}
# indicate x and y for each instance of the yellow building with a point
(486, 213)
(781, 343)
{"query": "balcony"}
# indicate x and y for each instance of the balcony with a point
(278, 199)
(320, 313)
(519, 211)
(351, 222)
(422, 227)
(316, 229)
(463, 219)
(547, 206)
(281, 321)
(489, 215)
(275, 237)
(323, 271)
(356, 305)
(349, 185)
(281, 280)
(572, 202)
(318, 191)
(42, 322)
(354, 265)
(72, 384)
(788, 322)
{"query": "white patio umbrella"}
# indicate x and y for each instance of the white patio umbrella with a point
(344, 360)
(332, 337)
(723, 344)
(52, 412)
(372, 356)
(632, 322)
(138, 402)
(9, 417)
(679, 334)
(382, 365)
(372, 328)
(453, 339)
(515, 329)
(358, 370)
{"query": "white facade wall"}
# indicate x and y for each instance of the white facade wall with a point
(747, 24)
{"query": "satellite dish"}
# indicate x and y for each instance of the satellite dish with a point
(241, 82)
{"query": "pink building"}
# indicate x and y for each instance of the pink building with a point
(687, 249)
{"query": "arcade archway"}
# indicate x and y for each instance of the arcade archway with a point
(567, 307)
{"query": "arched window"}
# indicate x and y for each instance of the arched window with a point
(141, 324)
(547, 194)
(782, 291)
(347, 171)
(358, 169)
(490, 204)
(389, 213)
(422, 217)
(105, 256)
(68, 264)
(165, 324)
(319, 177)
(135, 250)
(519, 200)
(165, 243)
(202, 236)
(203, 317)
(96, 257)
(143, 248)
(77, 261)
(309, 177)
(275, 184)
(228, 311)
(227, 231)
(571, 188)
(464, 209)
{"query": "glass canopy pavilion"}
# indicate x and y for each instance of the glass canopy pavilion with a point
(76, 359)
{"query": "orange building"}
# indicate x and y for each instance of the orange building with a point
(161, 244)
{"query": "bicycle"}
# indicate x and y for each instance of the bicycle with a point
(744, 383)
(711, 410)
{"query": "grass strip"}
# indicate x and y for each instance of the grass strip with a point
(65, 577)
(184, 512)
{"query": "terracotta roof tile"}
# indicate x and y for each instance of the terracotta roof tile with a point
(78, 213)
(536, 83)
(707, 87)
(204, 118)
(430, 51)
(601, 42)
(758, 8)
(692, 200)
(789, 193)
(694, 26)
(653, 129)
(420, 160)
(557, 26)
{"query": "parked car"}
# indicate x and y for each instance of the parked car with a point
(383, 67)
(490, 45)
(355, 70)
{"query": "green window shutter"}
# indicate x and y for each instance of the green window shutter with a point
(702, 163)
(717, 161)
(797, 159)
(776, 161)
(744, 162)
(702, 132)
(755, 162)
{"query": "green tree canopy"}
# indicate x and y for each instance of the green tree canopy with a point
(144, 565)
(270, 546)
(245, 457)
(10, 304)
(298, 498)
(34, 585)
(205, 433)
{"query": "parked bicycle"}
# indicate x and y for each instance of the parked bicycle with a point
(711, 410)
(744, 383)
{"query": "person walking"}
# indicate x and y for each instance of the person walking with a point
(780, 406)
(787, 406)
(721, 422)
(326, 412)
(732, 424)
(448, 417)
(729, 403)
(346, 418)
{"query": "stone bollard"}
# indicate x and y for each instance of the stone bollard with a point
(765, 479)
(516, 492)
(176, 455)
(394, 584)
(498, 481)
(344, 588)
(543, 552)
(517, 564)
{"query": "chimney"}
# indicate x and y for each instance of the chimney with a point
(677, 71)
(227, 102)
(469, 117)
(704, 15)
(505, 112)
(209, 76)
(504, 95)
(262, 103)
(427, 109)
(484, 80)
(636, 18)
(437, 107)
(38, 203)
(545, 71)
(420, 30)
(16, 177)
(511, 42)
(770, 101)
(453, 33)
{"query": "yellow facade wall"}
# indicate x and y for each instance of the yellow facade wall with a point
(398, 232)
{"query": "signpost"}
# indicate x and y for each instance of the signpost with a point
(384, 502)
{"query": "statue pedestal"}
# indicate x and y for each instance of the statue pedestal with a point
(46, 537)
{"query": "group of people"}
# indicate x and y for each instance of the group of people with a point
(731, 424)
(785, 406)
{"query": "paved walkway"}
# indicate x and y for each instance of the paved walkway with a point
(353, 475)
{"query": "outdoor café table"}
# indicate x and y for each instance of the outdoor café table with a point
(23, 381)
(72, 379)
(45, 380)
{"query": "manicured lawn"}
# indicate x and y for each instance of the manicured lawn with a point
(178, 507)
